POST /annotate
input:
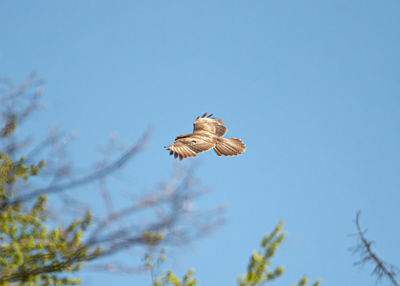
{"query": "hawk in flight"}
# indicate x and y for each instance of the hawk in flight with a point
(207, 133)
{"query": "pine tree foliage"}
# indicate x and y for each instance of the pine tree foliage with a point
(169, 278)
(31, 253)
(258, 272)
(172, 280)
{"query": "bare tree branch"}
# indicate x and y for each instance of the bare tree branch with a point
(364, 249)
(164, 215)
(90, 178)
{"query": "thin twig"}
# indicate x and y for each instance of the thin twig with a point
(96, 175)
(381, 269)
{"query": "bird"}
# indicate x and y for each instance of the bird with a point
(207, 133)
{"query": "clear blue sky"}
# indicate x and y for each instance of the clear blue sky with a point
(312, 87)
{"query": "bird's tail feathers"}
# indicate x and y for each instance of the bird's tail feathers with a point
(229, 147)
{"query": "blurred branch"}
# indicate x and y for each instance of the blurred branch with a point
(158, 217)
(90, 178)
(170, 215)
(20, 100)
(364, 249)
(116, 267)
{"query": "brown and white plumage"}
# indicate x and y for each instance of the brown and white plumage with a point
(207, 133)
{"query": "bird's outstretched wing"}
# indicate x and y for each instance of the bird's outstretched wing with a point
(188, 146)
(209, 124)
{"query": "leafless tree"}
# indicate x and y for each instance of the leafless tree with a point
(363, 248)
(162, 215)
